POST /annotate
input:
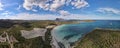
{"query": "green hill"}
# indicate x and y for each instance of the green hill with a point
(100, 38)
(13, 27)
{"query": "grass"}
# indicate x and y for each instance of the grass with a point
(34, 42)
(100, 38)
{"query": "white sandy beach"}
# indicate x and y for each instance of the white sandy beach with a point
(36, 32)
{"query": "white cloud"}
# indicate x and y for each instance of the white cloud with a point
(28, 4)
(34, 10)
(64, 13)
(55, 5)
(80, 3)
(19, 7)
(109, 10)
(27, 16)
(1, 6)
(6, 13)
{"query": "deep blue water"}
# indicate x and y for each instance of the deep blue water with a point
(72, 32)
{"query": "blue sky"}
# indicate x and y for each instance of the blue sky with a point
(68, 9)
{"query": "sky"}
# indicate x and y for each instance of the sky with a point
(67, 9)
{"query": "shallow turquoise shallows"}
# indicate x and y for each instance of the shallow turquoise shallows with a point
(69, 33)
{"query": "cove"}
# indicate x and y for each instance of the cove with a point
(69, 33)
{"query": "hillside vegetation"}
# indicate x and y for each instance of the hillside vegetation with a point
(100, 38)
(13, 27)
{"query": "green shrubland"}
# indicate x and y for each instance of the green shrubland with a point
(100, 38)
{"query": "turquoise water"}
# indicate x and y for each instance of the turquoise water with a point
(72, 32)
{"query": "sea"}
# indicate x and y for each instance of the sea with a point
(69, 33)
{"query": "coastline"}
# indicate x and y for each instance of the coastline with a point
(54, 42)
(77, 42)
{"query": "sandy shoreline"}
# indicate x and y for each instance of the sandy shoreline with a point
(54, 42)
